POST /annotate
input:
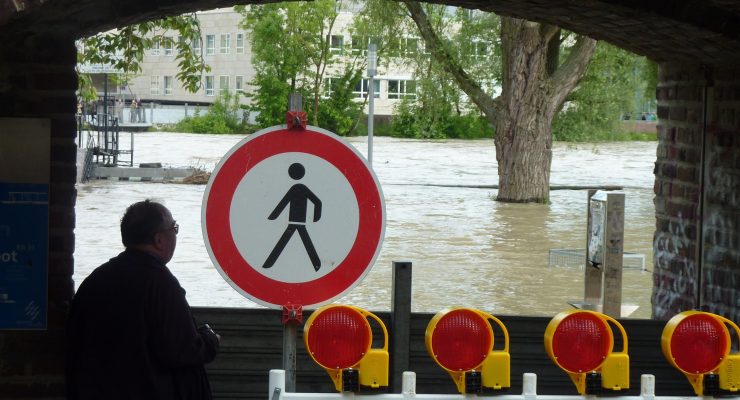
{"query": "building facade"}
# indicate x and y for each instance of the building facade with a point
(226, 49)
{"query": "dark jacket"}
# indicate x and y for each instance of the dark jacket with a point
(131, 335)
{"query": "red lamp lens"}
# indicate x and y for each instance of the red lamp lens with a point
(699, 343)
(581, 342)
(339, 337)
(461, 340)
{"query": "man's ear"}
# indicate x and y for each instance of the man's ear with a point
(158, 241)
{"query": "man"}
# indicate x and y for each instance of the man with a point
(131, 334)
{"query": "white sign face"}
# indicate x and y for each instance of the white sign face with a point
(293, 217)
(331, 236)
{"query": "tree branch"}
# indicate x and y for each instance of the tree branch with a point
(570, 72)
(440, 53)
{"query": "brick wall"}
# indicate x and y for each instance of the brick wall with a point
(38, 80)
(721, 272)
(680, 280)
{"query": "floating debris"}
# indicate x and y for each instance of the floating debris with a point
(198, 177)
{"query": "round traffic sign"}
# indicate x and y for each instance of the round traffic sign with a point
(293, 217)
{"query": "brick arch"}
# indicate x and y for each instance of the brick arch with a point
(697, 189)
(705, 31)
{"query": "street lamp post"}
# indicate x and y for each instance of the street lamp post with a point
(371, 71)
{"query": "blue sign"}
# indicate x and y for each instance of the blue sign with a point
(24, 232)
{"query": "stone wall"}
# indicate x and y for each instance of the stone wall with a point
(38, 80)
(681, 281)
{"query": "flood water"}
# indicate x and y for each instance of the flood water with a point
(466, 249)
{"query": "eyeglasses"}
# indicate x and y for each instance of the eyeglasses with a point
(175, 228)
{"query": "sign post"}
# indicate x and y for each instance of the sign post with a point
(293, 217)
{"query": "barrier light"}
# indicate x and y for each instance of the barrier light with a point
(339, 338)
(581, 343)
(460, 340)
(698, 344)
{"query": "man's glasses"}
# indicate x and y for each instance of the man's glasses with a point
(175, 227)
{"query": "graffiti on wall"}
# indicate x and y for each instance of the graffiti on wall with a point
(676, 274)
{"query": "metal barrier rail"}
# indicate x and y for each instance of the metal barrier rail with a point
(408, 391)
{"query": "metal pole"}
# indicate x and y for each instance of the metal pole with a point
(290, 326)
(401, 321)
(105, 110)
(290, 333)
(370, 117)
(371, 70)
(295, 102)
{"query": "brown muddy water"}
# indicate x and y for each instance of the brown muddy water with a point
(466, 249)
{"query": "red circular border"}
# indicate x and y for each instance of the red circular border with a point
(224, 183)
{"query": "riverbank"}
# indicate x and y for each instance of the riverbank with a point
(642, 131)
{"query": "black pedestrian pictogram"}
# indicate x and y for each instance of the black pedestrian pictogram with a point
(297, 197)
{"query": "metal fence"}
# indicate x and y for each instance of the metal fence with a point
(577, 258)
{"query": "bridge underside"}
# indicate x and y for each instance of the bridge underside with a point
(697, 170)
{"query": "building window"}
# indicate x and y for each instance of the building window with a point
(168, 85)
(406, 46)
(240, 43)
(359, 45)
(155, 47)
(410, 46)
(167, 42)
(361, 89)
(223, 84)
(480, 49)
(181, 42)
(330, 86)
(197, 46)
(225, 43)
(336, 43)
(209, 85)
(210, 44)
(401, 89)
(239, 84)
(154, 85)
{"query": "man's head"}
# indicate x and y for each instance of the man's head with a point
(149, 226)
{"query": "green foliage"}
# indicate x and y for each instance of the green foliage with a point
(606, 92)
(410, 121)
(339, 113)
(290, 53)
(436, 107)
(123, 49)
(221, 118)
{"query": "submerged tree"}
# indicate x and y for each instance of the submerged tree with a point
(534, 85)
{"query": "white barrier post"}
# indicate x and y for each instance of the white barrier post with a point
(529, 386)
(647, 386)
(276, 386)
(408, 387)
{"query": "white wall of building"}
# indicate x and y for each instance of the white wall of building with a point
(230, 64)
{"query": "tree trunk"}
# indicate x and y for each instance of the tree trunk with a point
(523, 132)
(533, 87)
(532, 93)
